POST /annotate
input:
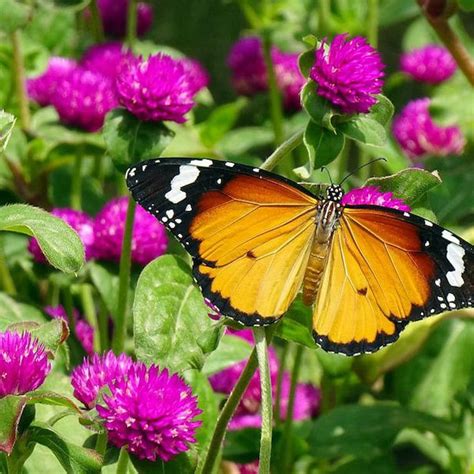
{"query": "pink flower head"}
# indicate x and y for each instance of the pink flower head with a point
(79, 221)
(43, 88)
(158, 88)
(307, 399)
(95, 373)
(150, 412)
(249, 468)
(84, 331)
(149, 239)
(106, 59)
(431, 64)
(114, 17)
(348, 73)
(372, 196)
(24, 363)
(198, 76)
(249, 73)
(419, 136)
(83, 98)
(289, 78)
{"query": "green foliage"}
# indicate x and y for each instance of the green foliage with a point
(7, 122)
(13, 15)
(11, 408)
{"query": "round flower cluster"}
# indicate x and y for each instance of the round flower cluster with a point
(247, 415)
(149, 411)
(102, 237)
(348, 73)
(84, 331)
(431, 64)
(419, 136)
(159, 88)
(24, 363)
(371, 195)
(249, 73)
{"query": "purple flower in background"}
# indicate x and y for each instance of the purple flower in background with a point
(198, 76)
(106, 59)
(95, 373)
(84, 331)
(348, 73)
(249, 468)
(150, 412)
(419, 136)
(431, 64)
(307, 399)
(249, 74)
(289, 79)
(158, 88)
(43, 88)
(24, 363)
(114, 17)
(83, 98)
(371, 195)
(79, 221)
(149, 239)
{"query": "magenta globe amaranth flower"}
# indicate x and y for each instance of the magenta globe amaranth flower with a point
(307, 399)
(79, 221)
(348, 73)
(114, 17)
(289, 79)
(149, 239)
(158, 88)
(249, 73)
(431, 64)
(371, 195)
(43, 88)
(198, 76)
(150, 412)
(97, 372)
(106, 59)
(24, 363)
(419, 136)
(83, 98)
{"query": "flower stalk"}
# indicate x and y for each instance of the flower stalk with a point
(96, 20)
(76, 182)
(285, 148)
(122, 465)
(20, 81)
(132, 23)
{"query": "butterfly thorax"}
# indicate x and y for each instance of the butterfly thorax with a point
(327, 217)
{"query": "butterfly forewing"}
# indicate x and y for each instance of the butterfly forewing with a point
(248, 231)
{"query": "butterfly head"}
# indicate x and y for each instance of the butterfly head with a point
(334, 193)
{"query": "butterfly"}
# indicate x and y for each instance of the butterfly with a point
(257, 239)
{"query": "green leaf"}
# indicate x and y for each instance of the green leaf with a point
(296, 325)
(7, 122)
(410, 184)
(12, 312)
(241, 140)
(107, 283)
(318, 108)
(364, 129)
(368, 431)
(184, 463)
(306, 61)
(47, 397)
(382, 111)
(220, 121)
(466, 5)
(74, 459)
(73, 5)
(13, 15)
(130, 140)
(170, 316)
(323, 145)
(11, 408)
(231, 350)
(59, 242)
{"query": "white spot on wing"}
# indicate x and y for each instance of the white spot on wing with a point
(450, 297)
(144, 167)
(187, 175)
(229, 164)
(188, 208)
(132, 172)
(170, 213)
(438, 282)
(455, 255)
(448, 236)
(428, 223)
(203, 163)
(406, 214)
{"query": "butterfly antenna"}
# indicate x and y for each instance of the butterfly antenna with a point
(362, 166)
(328, 173)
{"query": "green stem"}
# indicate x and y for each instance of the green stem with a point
(76, 181)
(132, 23)
(229, 408)
(96, 20)
(69, 307)
(90, 313)
(103, 323)
(276, 111)
(101, 442)
(324, 16)
(285, 450)
(281, 370)
(20, 82)
(122, 465)
(343, 161)
(373, 22)
(6, 278)
(267, 411)
(285, 148)
(124, 281)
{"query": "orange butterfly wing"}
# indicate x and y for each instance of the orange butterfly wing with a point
(385, 268)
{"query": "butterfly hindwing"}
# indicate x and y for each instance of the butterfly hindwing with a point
(247, 230)
(386, 268)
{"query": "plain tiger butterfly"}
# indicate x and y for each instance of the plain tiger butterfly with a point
(257, 239)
